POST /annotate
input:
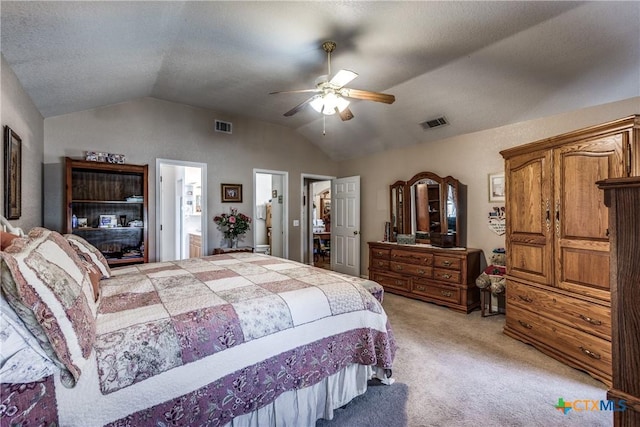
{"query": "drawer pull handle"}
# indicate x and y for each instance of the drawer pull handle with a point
(525, 299)
(380, 263)
(590, 353)
(446, 276)
(525, 324)
(421, 272)
(379, 253)
(590, 320)
(446, 293)
(446, 263)
(421, 288)
(398, 267)
(399, 282)
(395, 255)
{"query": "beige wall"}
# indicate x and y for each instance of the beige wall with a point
(20, 114)
(148, 128)
(470, 158)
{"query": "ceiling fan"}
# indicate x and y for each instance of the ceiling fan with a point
(331, 94)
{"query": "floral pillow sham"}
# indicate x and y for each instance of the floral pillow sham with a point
(89, 252)
(22, 359)
(46, 281)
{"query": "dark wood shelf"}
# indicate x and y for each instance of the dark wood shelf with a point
(106, 228)
(94, 189)
(108, 202)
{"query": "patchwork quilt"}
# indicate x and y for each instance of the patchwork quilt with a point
(203, 340)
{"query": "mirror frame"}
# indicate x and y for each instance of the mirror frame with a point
(408, 205)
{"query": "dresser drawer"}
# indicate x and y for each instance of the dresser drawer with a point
(438, 291)
(411, 257)
(450, 276)
(412, 269)
(380, 253)
(578, 347)
(447, 262)
(574, 312)
(393, 282)
(380, 264)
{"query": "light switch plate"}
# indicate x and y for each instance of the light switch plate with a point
(296, 223)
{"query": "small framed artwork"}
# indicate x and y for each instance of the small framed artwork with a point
(231, 193)
(12, 174)
(496, 187)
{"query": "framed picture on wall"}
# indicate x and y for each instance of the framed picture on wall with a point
(12, 174)
(231, 193)
(496, 187)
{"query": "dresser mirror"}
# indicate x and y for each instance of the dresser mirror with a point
(428, 204)
(397, 209)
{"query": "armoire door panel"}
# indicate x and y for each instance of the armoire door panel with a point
(529, 229)
(528, 262)
(585, 272)
(582, 242)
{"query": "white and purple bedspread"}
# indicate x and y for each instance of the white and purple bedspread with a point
(201, 341)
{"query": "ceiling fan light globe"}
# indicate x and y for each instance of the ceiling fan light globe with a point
(317, 103)
(341, 104)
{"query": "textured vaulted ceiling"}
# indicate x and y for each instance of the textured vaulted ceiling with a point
(480, 64)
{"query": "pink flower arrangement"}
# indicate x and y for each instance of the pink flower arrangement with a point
(233, 224)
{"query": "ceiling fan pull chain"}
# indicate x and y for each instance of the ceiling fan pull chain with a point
(324, 125)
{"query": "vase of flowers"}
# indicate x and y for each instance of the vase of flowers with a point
(233, 225)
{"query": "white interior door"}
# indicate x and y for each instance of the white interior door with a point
(345, 225)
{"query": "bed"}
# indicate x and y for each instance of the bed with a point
(239, 339)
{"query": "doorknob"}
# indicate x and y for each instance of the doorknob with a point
(355, 233)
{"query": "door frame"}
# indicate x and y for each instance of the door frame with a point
(285, 206)
(160, 201)
(306, 232)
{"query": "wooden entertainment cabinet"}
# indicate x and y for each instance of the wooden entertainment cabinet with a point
(444, 276)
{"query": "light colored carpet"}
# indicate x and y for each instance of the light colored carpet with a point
(453, 369)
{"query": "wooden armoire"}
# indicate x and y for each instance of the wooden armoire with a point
(558, 286)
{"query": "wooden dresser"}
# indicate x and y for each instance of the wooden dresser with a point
(442, 276)
(557, 241)
(622, 196)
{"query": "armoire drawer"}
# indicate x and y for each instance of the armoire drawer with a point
(586, 316)
(411, 257)
(394, 282)
(411, 269)
(438, 291)
(577, 346)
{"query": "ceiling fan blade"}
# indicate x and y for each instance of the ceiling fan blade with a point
(367, 95)
(345, 114)
(299, 107)
(296, 91)
(343, 77)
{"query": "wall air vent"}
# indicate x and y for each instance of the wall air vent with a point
(434, 123)
(223, 126)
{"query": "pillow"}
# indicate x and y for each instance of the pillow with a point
(90, 253)
(49, 283)
(94, 277)
(22, 359)
(6, 239)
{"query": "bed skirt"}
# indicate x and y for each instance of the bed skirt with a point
(305, 406)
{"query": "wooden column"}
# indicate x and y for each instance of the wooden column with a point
(622, 196)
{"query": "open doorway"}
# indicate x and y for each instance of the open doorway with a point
(181, 209)
(270, 200)
(316, 220)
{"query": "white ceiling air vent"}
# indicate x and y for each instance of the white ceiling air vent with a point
(434, 123)
(223, 126)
